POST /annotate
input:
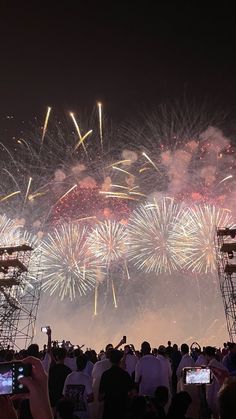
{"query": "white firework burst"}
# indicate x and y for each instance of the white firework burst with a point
(198, 239)
(9, 231)
(68, 266)
(108, 242)
(153, 232)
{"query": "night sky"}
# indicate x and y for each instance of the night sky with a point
(69, 53)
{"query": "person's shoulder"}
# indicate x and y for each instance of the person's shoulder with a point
(101, 363)
(70, 377)
(72, 374)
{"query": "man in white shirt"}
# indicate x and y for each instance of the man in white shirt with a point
(71, 363)
(186, 361)
(148, 371)
(78, 387)
(130, 359)
(166, 372)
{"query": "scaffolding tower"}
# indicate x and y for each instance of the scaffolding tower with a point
(20, 286)
(226, 261)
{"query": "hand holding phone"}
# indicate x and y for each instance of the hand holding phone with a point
(37, 385)
(45, 329)
(10, 373)
(197, 375)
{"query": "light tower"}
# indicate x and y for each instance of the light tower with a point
(226, 258)
(19, 295)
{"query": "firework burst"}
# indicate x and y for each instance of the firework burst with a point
(67, 263)
(152, 236)
(108, 242)
(197, 236)
(9, 231)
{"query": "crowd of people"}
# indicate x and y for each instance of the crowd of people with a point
(121, 382)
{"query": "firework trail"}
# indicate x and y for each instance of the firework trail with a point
(46, 123)
(67, 264)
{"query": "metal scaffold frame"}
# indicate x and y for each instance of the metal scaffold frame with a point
(226, 262)
(20, 285)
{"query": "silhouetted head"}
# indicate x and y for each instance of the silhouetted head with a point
(115, 356)
(210, 352)
(81, 362)
(33, 350)
(60, 354)
(145, 348)
(184, 348)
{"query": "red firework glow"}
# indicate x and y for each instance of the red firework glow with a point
(83, 203)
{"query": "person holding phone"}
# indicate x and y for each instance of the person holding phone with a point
(37, 385)
(97, 372)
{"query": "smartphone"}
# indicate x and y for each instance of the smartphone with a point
(44, 329)
(197, 375)
(124, 339)
(9, 374)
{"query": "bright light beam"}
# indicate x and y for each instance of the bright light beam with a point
(46, 123)
(27, 191)
(100, 122)
(81, 141)
(114, 293)
(9, 196)
(226, 178)
(78, 132)
(95, 301)
(152, 163)
(121, 170)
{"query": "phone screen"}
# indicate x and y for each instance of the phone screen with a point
(198, 376)
(44, 329)
(6, 379)
(10, 372)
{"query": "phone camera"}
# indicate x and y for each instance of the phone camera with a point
(20, 376)
(20, 386)
(20, 369)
